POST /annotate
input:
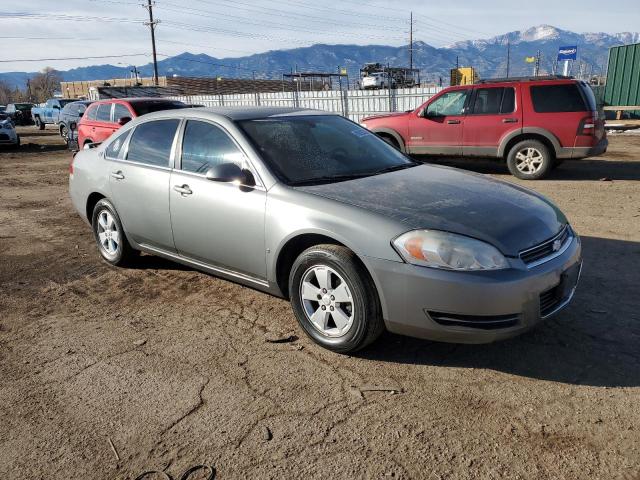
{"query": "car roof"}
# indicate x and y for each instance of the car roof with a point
(240, 113)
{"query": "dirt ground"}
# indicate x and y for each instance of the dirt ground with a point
(171, 366)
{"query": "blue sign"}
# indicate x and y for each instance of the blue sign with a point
(567, 53)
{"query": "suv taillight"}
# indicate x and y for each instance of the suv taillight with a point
(588, 125)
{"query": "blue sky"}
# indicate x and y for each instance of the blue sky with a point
(230, 28)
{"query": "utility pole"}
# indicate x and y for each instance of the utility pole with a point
(508, 55)
(537, 67)
(152, 25)
(411, 42)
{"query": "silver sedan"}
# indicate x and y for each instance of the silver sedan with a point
(314, 208)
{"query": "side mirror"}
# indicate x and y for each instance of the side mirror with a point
(124, 120)
(228, 172)
(73, 125)
(80, 114)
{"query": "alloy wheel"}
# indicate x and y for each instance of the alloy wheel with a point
(108, 234)
(327, 301)
(529, 160)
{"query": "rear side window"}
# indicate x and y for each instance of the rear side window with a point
(557, 98)
(494, 101)
(205, 146)
(114, 150)
(91, 113)
(120, 111)
(104, 112)
(151, 142)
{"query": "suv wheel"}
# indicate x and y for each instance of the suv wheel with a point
(109, 234)
(529, 160)
(39, 124)
(334, 299)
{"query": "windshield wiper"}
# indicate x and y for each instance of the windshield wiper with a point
(395, 168)
(330, 179)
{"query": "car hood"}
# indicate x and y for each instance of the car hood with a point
(386, 115)
(441, 198)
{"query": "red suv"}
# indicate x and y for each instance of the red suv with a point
(532, 123)
(106, 116)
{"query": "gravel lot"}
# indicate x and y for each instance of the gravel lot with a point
(173, 368)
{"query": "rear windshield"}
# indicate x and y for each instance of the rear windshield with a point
(148, 106)
(589, 96)
(557, 98)
(23, 106)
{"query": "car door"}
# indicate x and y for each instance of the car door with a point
(47, 112)
(139, 182)
(492, 114)
(220, 224)
(437, 128)
(103, 126)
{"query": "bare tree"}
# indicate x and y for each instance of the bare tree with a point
(5, 93)
(44, 84)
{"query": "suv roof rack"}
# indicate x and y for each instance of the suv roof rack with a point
(525, 79)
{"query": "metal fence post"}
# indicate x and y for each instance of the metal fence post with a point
(345, 103)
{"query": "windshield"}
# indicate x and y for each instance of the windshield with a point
(321, 149)
(148, 106)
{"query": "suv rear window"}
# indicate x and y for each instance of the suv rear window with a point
(557, 98)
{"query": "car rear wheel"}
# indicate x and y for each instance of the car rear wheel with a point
(334, 298)
(530, 160)
(109, 234)
(39, 124)
(64, 133)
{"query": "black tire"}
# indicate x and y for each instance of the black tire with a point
(17, 144)
(366, 314)
(64, 133)
(39, 124)
(539, 169)
(124, 254)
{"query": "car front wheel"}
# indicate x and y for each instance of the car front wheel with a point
(109, 234)
(334, 298)
(530, 160)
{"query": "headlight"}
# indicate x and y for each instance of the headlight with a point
(436, 249)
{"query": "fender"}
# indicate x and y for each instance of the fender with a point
(529, 130)
(398, 138)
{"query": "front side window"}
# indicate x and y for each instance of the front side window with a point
(204, 145)
(448, 104)
(557, 98)
(104, 112)
(151, 142)
(493, 101)
(120, 111)
(321, 149)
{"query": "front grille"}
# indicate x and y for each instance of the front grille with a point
(4, 136)
(549, 300)
(546, 249)
(484, 322)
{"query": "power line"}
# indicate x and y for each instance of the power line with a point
(73, 58)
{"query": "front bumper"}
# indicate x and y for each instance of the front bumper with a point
(474, 307)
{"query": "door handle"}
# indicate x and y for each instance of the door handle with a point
(183, 189)
(509, 120)
(117, 175)
(453, 122)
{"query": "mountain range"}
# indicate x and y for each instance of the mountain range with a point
(488, 56)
